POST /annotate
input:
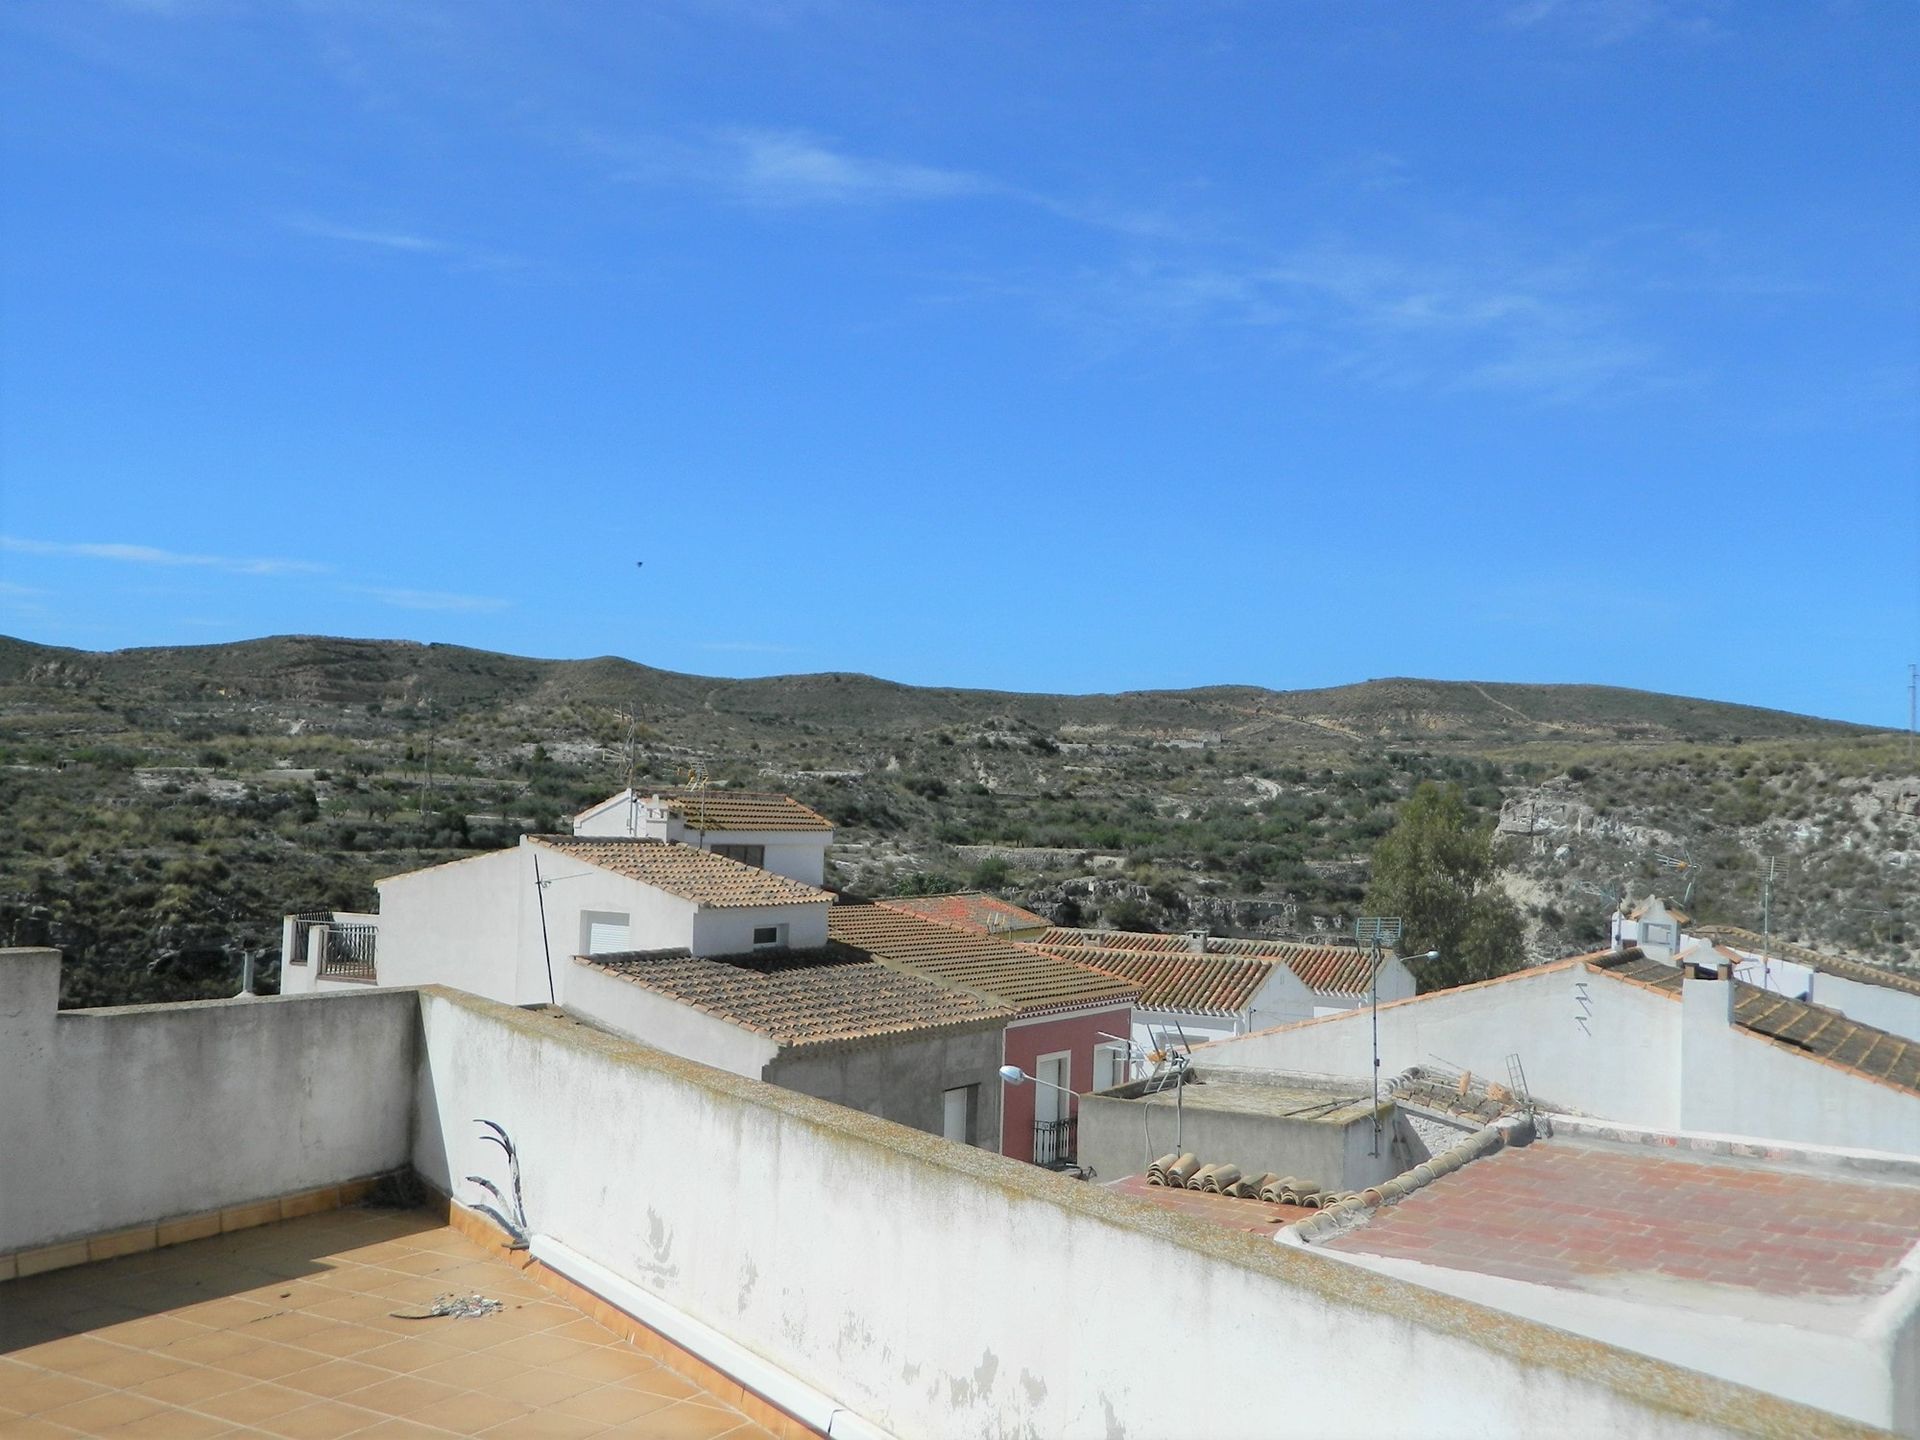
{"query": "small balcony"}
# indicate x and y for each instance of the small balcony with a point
(328, 945)
(1056, 1142)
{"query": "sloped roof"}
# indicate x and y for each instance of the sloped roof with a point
(1333, 969)
(1003, 971)
(1198, 984)
(969, 910)
(804, 997)
(684, 870)
(1813, 1028)
(1846, 969)
(742, 810)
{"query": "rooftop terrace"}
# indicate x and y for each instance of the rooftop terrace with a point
(297, 1329)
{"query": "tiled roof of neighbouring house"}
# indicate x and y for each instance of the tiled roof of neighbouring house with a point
(969, 910)
(1812, 1028)
(1198, 984)
(1003, 971)
(742, 810)
(1753, 941)
(683, 870)
(804, 997)
(1333, 969)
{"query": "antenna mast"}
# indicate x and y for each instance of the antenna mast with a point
(1376, 932)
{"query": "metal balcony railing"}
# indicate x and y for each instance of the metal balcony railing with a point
(1056, 1142)
(349, 952)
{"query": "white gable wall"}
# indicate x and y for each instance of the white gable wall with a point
(1587, 1042)
(728, 930)
(476, 924)
(643, 1014)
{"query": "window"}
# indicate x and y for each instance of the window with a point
(960, 1114)
(1109, 1066)
(603, 932)
(766, 936)
(754, 855)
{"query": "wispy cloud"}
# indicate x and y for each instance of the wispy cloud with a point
(22, 592)
(431, 599)
(1609, 22)
(400, 241)
(149, 555)
(780, 168)
(1458, 316)
(379, 239)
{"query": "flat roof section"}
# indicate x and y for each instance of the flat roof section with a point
(1259, 1217)
(1585, 1214)
(289, 1330)
(1288, 1097)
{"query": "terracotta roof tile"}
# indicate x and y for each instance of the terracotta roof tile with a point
(1847, 969)
(969, 910)
(1004, 971)
(804, 997)
(1814, 1028)
(741, 810)
(1332, 969)
(1200, 984)
(683, 870)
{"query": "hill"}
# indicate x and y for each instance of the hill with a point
(172, 802)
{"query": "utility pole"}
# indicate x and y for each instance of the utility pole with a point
(1913, 705)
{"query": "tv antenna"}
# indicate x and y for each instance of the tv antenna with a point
(1677, 865)
(1376, 932)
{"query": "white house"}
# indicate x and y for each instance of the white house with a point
(1651, 926)
(1622, 1037)
(768, 831)
(1872, 994)
(1197, 988)
(505, 925)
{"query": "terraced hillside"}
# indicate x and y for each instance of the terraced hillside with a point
(170, 804)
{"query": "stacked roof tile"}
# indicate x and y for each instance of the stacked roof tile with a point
(969, 910)
(1812, 1028)
(683, 870)
(742, 810)
(833, 995)
(1006, 972)
(1332, 969)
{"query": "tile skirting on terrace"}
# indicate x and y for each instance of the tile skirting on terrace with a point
(178, 1229)
(474, 1226)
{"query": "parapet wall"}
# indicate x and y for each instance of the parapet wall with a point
(938, 1290)
(122, 1117)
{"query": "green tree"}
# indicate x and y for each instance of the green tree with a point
(1435, 870)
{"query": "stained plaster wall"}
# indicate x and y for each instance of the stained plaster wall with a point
(117, 1117)
(1122, 1134)
(903, 1079)
(875, 1263)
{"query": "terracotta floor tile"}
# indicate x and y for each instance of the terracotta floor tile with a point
(103, 1411)
(541, 1387)
(41, 1390)
(32, 1429)
(544, 1348)
(545, 1425)
(687, 1421)
(268, 1361)
(406, 1356)
(661, 1380)
(334, 1377)
(604, 1363)
(616, 1405)
(192, 1384)
(402, 1395)
(173, 1425)
(209, 1346)
(254, 1404)
(470, 1413)
(322, 1420)
(69, 1354)
(401, 1430)
(472, 1372)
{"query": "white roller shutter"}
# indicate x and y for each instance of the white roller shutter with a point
(607, 937)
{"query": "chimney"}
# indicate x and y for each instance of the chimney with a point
(1197, 941)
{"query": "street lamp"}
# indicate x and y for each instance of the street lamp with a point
(1014, 1075)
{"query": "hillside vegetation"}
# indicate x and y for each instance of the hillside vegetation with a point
(168, 805)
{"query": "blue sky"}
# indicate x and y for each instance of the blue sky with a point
(1047, 347)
